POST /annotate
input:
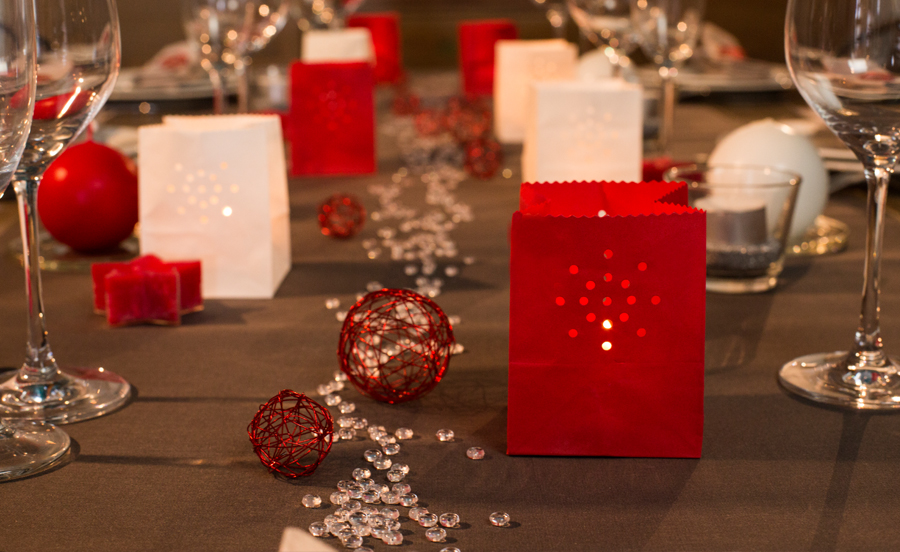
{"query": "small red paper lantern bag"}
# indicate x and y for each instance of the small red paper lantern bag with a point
(385, 30)
(332, 118)
(607, 320)
(476, 52)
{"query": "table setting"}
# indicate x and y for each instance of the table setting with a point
(563, 296)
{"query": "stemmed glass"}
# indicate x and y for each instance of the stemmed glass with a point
(26, 446)
(78, 53)
(668, 31)
(556, 15)
(843, 56)
(228, 31)
(607, 25)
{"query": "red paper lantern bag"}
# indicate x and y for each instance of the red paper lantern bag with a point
(607, 316)
(476, 53)
(332, 118)
(385, 29)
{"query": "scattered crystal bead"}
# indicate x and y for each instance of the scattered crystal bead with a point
(449, 520)
(358, 518)
(451, 271)
(427, 519)
(390, 497)
(391, 449)
(499, 519)
(369, 510)
(362, 530)
(352, 505)
(318, 529)
(376, 520)
(367, 549)
(445, 549)
(390, 513)
(311, 501)
(414, 513)
(371, 455)
(346, 407)
(344, 484)
(332, 303)
(458, 349)
(408, 500)
(436, 534)
(395, 475)
(324, 389)
(411, 270)
(332, 399)
(402, 488)
(469, 260)
(337, 527)
(345, 421)
(403, 468)
(340, 376)
(351, 541)
(392, 538)
(339, 497)
(346, 433)
(382, 463)
(342, 513)
(444, 435)
(374, 286)
(403, 433)
(355, 490)
(341, 316)
(454, 320)
(360, 423)
(337, 386)
(379, 487)
(362, 473)
(475, 453)
(386, 439)
(371, 497)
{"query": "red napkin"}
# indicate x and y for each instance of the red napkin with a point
(607, 321)
(385, 29)
(476, 52)
(332, 118)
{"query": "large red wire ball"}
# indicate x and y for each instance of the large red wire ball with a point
(291, 434)
(341, 216)
(395, 345)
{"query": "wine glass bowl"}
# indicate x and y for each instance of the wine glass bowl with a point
(26, 447)
(556, 13)
(606, 24)
(77, 56)
(842, 55)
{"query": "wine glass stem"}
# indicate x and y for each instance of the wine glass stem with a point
(667, 115)
(40, 366)
(218, 86)
(243, 87)
(868, 345)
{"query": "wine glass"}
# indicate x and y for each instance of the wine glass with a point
(843, 56)
(228, 31)
(668, 31)
(26, 446)
(78, 53)
(607, 25)
(557, 15)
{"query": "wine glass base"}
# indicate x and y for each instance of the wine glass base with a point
(741, 285)
(29, 447)
(827, 378)
(78, 394)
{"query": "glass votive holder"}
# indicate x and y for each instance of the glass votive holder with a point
(748, 214)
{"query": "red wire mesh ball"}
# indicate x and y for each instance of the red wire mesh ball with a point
(341, 216)
(291, 434)
(395, 345)
(483, 157)
(468, 119)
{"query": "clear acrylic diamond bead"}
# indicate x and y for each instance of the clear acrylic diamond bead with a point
(404, 433)
(332, 399)
(395, 475)
(346, 407)
(318, 529)
(403, 468)
(499, 519)
(391, 449)
(340, 376)
(449, 520)
(475, 453)
(345, 421)
(371, 455)
(351, 541)
(382, 463)
(391, 513)
(390, 497)
(408, 500)
(445, 549)
(360, 423)
(324, 389)
(362, 473)
(427, 519)
(436, 534)
(339, 497)
(311, 501)
(402, 488)
(345, 433)
(371, 496)
(392, 538)
(444, 435)
(451, 271)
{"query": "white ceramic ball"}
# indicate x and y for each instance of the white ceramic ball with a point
(770, 143)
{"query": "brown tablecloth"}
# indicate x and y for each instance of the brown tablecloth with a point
(174, 470)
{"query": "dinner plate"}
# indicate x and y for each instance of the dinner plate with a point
(133, 85)
(708, 77)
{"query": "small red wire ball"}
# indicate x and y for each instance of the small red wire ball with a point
(395, 345)
(341, 216)
(291, 434)
(483, 157)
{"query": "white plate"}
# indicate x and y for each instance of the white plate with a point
(705, 77)
(133, 86)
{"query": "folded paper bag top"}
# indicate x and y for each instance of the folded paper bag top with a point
(215, 189)
(607, 320)
(338, 45)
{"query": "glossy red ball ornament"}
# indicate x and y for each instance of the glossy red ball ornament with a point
(88, 197)
(341, 216)
(483, 157)
(291, 434)
(395, 345)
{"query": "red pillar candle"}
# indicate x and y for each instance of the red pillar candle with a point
(476, 52)
(385, 29)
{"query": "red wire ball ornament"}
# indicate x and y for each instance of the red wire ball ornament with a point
(341, 216)
(483, 157)
(395, 345)
(291, 434)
